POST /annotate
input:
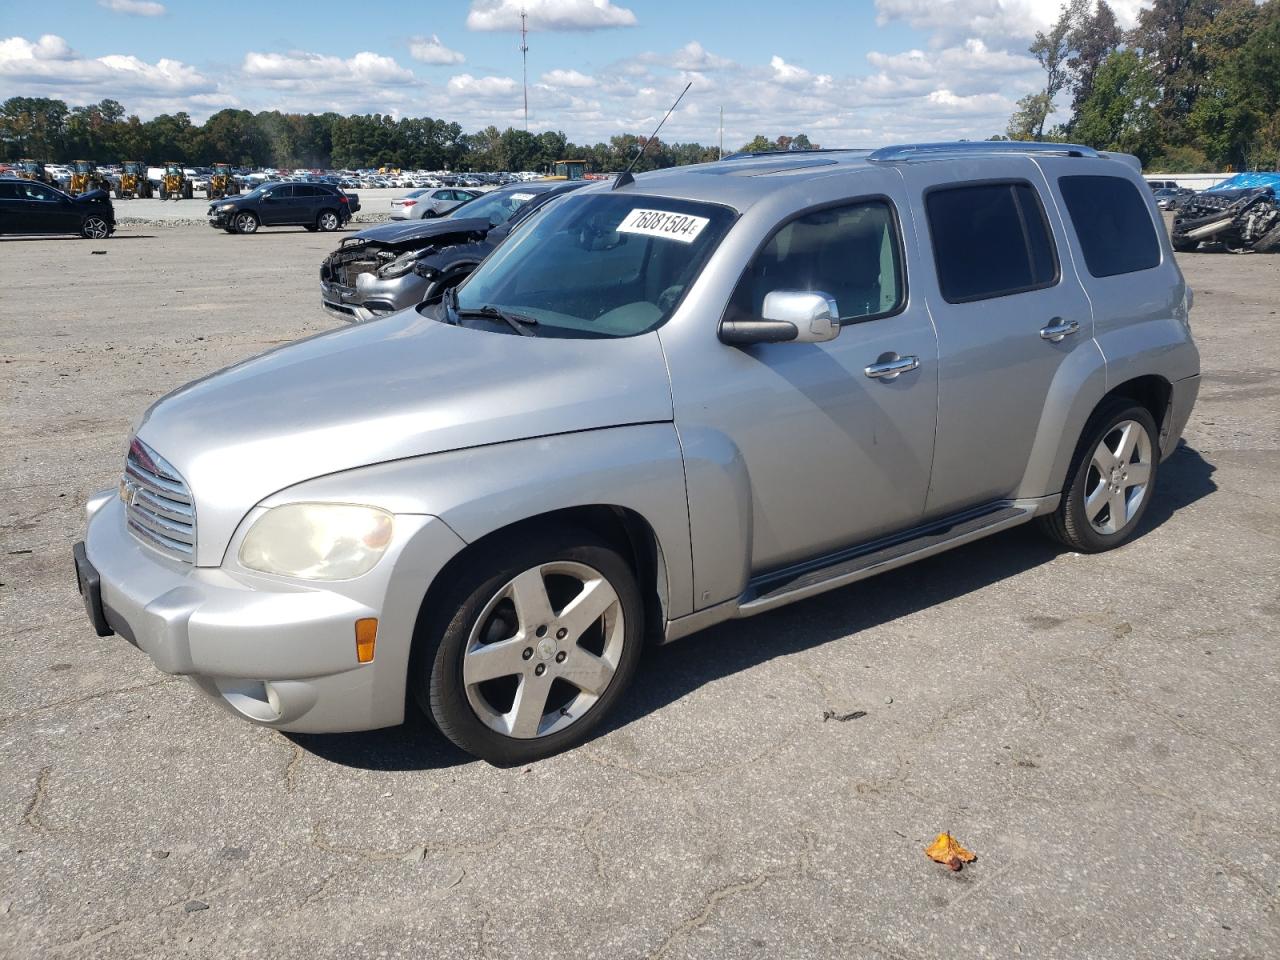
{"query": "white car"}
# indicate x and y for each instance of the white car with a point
(421, 204)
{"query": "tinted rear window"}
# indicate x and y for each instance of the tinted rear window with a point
(1112, 222)
(990, 240)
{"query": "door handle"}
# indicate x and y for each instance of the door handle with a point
(1059, 328)
(889, 369)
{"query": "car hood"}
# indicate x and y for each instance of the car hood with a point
(93, 196)
(392, 234)
(403, 386)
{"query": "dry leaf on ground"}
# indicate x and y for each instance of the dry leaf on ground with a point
(947, 851)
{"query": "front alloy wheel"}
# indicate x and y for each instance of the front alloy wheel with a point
(536, 652)
(246, 223)
(534, 665)
(95, 228)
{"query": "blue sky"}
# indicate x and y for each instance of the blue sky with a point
(863, 72)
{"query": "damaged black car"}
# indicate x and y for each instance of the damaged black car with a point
(1236, 220)
(397, 265)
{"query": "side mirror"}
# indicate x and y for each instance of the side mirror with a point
(789, 316)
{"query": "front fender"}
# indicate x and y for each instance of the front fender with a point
(481, 490)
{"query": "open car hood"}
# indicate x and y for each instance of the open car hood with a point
(393, 234)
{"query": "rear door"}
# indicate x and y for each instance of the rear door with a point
(1009, 311)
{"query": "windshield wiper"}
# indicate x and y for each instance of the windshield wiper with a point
(518, 322)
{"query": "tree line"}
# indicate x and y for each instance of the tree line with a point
(1195, 85)
(50, 131)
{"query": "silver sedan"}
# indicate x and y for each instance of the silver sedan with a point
(420, 204)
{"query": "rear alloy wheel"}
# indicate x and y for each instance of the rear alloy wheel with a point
(536, 653)
(328, 221)
(94, 228)
(1111, 481)
(246, 222)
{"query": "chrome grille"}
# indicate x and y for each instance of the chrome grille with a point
(158, 505)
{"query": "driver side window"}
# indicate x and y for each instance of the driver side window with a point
(850, 252)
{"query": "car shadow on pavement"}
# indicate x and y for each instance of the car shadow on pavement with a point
(47, 238)
(668, 673)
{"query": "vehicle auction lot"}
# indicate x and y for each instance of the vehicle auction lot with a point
(1104, 732)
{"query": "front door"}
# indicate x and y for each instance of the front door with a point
(1009, 310)
(277, 205)
(838, 450)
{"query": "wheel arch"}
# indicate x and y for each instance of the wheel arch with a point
(1152, 391)
(622, 527)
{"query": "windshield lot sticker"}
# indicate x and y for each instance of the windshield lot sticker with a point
(661, 223)
(522, 196)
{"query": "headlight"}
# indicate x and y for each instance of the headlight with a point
(400, 265)
(227, 206)
(317, 541)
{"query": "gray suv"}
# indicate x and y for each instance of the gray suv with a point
(664, 403)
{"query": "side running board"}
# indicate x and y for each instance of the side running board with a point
(794, 583)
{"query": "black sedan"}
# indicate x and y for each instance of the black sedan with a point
(316, 206)
(27, 206)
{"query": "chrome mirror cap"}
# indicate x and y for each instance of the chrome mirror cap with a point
(813, 313)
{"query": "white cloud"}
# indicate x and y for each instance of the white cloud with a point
(431, 50)
(693, 56)
(134, 8)
(465, 85)
(50, 62)
(548, 15)
(789, 75)
(567, 78)
(1003, 23)
(292, 68)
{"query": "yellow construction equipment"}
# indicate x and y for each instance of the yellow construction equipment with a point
(85, 177)
(175, 184)
(133, 181)
(222, 183)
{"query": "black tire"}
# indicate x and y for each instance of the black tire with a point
(187, 192)
(444, 630)
(328, 220)
(1185, 246)
(1269, 242)
(246, 222)
(1069, 524)
(164, 194)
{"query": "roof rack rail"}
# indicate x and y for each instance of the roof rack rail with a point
(912, 151)
(744, 154)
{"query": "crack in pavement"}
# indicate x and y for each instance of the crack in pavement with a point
(35, 806)
(801, 867)
(57, 704)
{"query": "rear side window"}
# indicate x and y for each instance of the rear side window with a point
(850, 252)
(990, 240)
(1112, 222)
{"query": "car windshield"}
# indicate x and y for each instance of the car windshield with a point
(598, 265)
(497, 207)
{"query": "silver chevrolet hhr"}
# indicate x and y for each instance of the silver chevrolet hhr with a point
(660, 404)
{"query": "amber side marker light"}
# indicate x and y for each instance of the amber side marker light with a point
(366, 636)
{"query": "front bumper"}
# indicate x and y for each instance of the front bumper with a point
(221, 220)
(275, 651)
(372, 296)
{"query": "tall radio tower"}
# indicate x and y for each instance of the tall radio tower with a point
(524, 56)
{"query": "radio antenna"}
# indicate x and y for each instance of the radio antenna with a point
(625, 176)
